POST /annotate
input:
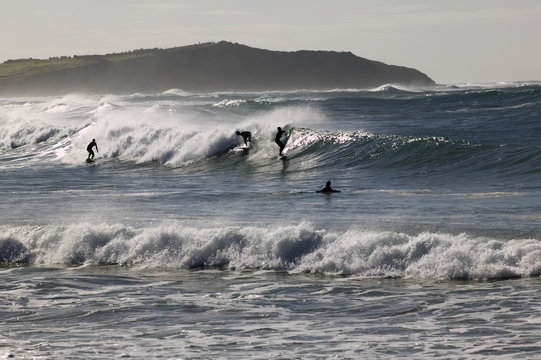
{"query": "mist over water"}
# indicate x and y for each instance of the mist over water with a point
(440, 193)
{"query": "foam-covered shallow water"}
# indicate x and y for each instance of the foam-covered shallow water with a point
(119, 312)
(176, 243)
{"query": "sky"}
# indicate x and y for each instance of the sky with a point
(458, 41)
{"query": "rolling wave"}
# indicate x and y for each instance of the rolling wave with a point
(357, 149)
(176, 128)
(142, 143)
(296, 249)
(323, 149)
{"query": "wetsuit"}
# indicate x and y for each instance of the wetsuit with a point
(327, 188)
(277, 139)
(89, 149)
(246, 136)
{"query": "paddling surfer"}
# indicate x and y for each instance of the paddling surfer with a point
(327, 188)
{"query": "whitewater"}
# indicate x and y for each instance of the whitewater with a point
(178, 243)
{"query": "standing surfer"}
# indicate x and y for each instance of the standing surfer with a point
(277, 139)
(89, 149)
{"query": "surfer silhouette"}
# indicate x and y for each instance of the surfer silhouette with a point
(89, 149)
(246, 136)
(277, 139)
(327, 188)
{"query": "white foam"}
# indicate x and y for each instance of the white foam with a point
(157, 134)
(127, 129)
(298, 248)
(23, 126)
(177, 92)
(392, 87)
(39, 127)
(229, 103)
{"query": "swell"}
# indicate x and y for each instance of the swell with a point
(307, 149)
(319, 149)
(296, 248)
(357, 150)
(176, 128)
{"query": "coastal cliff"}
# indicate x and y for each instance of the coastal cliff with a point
(207, 67)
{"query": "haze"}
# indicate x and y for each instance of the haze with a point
(461, 41)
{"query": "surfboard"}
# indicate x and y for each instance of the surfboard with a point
(243, 149)
(282, 157)
(89, 161)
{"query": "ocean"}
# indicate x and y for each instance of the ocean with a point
(177, 243)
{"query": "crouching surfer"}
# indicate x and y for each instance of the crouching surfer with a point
(246, 136)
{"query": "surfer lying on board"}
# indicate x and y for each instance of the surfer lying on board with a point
(246, 136)
(327, 188)
(277, 139)
(89, 149)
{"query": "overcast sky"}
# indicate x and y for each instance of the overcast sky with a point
(456, 41)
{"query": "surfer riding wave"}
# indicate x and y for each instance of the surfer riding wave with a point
(89, 149)
(278, 141)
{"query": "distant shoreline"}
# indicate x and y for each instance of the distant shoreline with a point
(208, 67)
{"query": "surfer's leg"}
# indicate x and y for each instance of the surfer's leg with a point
(281, 145)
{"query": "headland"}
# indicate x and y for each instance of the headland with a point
(207, 67)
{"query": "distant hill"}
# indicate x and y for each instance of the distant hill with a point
(207, 67)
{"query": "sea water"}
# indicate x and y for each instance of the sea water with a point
(176, 243)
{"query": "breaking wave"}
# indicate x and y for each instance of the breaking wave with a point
(297, 248)
(177, 128)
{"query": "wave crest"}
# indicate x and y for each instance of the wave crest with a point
(295, 248)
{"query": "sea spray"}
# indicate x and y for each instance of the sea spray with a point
(299, 248)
